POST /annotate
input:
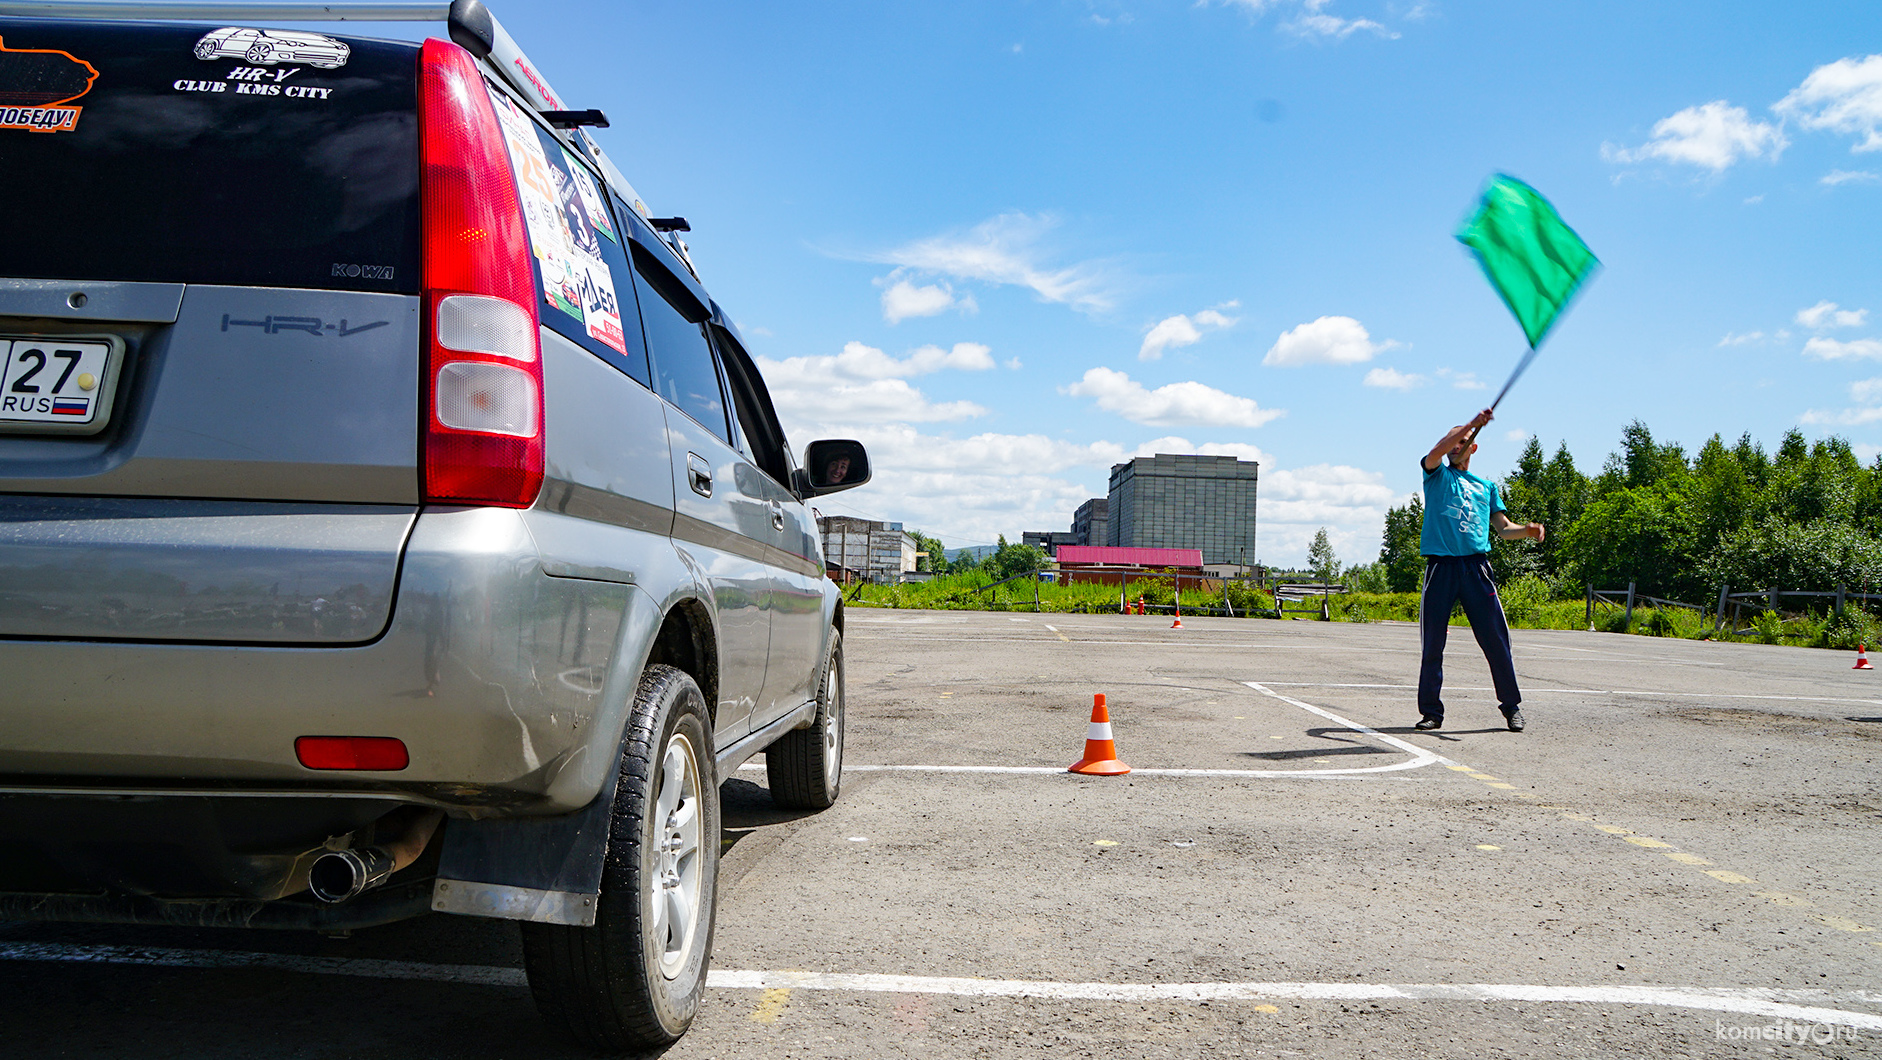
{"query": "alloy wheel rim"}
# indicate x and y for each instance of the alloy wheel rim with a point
(833, 724)
(678, 864)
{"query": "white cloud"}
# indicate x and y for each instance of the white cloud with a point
(1178, 404)
(1310, 19)
(1866, 391)
(972, 490)
(1712, 135)
(1733, 338)
(1826, 314)
(1848, 176)
(1843, 97)
(865, 385)
(1753, 200)
(1832, 350)
(1327, 340)
(903, 299)
(1392, 379)
(1463, 380)
(1843, 418)
(1865, 452)
(1516, 434)
(1181, 330)
(1005, 250)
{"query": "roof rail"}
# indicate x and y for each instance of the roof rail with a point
(470, 23)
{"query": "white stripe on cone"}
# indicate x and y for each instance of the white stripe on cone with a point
(1100, 730)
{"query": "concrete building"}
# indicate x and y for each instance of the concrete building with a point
(1091, 523)
(1048, 541)
(1185, 501)
(865, 548)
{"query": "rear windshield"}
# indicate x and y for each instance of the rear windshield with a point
(206, 154)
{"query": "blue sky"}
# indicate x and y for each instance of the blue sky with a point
(1008, 244)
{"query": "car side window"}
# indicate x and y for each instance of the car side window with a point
(582, 270)
(757, 421)
(683, 367)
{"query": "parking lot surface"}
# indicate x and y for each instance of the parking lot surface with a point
(1678, 858)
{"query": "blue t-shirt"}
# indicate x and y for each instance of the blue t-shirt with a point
(1458, 506)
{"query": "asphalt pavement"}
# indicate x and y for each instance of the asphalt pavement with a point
(1679, 857)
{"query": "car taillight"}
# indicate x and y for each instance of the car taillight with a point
(483, 373)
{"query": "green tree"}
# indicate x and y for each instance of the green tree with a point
(1399, 555)
(1320, 558)
(1009, 561)
(936, 560)
(1642, 535)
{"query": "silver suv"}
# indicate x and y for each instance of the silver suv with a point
(389, 521)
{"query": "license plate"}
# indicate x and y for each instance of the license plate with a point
(57, 384)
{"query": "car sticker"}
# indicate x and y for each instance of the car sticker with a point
(270, 47)
(591, 195)
(549, 233)
(594, 281)
(35, 83)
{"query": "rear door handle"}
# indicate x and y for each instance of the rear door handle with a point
(699, 473)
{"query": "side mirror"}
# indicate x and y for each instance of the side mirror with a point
(831, 465)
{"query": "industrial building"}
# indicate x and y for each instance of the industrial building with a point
(865, 549)
(1185, 501)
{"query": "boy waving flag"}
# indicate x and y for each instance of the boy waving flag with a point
(1461, 511)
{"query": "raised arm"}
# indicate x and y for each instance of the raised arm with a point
(1455, 437)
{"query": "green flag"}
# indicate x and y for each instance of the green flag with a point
(1532, 259)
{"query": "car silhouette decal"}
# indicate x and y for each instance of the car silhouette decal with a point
(266, 47)
(34, 82)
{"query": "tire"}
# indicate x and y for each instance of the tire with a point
(634, 980)
(205, 50)
(260, 54)
(805, 766)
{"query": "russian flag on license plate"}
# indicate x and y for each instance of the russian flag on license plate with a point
(70, 406)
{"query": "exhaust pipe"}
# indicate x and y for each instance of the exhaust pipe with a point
(342, 875)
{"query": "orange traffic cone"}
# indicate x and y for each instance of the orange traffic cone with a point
(1862, 662)
(1178, 624)
(1100, 752)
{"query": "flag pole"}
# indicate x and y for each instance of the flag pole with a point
(1521, 366)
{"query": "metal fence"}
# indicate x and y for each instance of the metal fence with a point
(1757, 600)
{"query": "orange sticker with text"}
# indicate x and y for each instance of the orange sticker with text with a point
(35, 85)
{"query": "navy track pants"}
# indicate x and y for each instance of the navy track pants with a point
(1449, 579)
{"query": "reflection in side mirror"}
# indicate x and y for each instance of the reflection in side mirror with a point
(834, 464)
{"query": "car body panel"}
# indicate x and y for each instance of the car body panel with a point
(253, 393)
(139, 568)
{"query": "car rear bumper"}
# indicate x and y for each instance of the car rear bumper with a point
(498, 677)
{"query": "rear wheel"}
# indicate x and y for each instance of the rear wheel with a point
(634, 980)
(805, 766)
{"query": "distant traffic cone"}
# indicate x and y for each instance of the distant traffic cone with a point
(1178, 624)
(1100, 751)
(1862, 662)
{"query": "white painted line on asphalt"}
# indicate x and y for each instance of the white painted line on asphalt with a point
(1135, 772)
(1779, 1004)
(1425, 756)
(1672, 997)
(1420, 756)
(1597, 692)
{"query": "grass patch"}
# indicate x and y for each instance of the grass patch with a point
(1527, 602)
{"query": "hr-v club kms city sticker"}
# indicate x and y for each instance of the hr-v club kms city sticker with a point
(36, 84)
